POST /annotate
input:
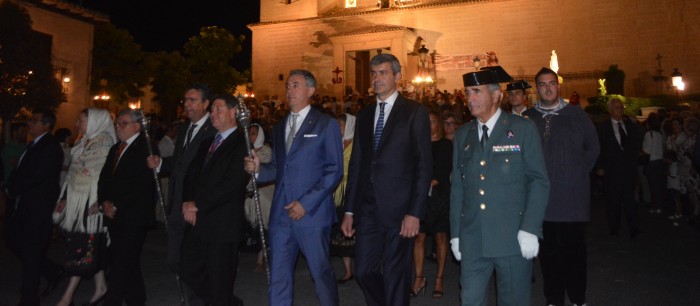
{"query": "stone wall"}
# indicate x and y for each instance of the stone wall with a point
(588, 36)
(72, 41)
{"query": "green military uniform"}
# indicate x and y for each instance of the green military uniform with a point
(497, 191)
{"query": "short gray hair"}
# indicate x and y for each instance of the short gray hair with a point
(308, 76)
(386, 58)
(494, 87)
(134, 116)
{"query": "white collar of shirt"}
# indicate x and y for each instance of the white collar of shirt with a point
(226, 133)
(616, 129)
(491, 123)
(514, 112)
(199, 124)
(38, 138)
(615, 122)
(387, 107)
(131, 140)
(300, 119)
(34, 141)
(128, 144)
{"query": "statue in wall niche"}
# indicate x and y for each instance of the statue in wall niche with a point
(554, 62)
(491, 59)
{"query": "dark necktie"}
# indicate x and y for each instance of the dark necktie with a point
(623, 135)
(189, 135)
(380, 126)
(484, 135)
(122, 146)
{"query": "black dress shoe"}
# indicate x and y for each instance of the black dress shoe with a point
(52, 283)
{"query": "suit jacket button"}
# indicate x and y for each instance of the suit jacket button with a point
(462, 176)
(481, 191)
(482, 177)
(482, 163)
(483, 206)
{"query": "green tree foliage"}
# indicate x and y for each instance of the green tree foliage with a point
(210, 57)
(119, 60)
(26, 74)
(169, 78)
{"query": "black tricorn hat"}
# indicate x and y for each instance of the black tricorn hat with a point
(487, 75)
(519, 84)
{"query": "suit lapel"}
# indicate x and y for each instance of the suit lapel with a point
(202, 133)
(128, 151)
(368, 126)
(181, 136)
(396, 112)
(225, 144)
(26, 156)
(305, 128)
(472, 141)
(499, 130)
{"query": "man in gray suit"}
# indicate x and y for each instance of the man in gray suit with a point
(189, 137)
(499, 194)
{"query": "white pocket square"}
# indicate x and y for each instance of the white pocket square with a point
(310, 135)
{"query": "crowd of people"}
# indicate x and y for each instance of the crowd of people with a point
(493, 179)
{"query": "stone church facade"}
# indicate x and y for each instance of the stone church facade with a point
(327, 36)
(71, 31)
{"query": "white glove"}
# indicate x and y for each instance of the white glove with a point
(529, 246)
(454, 243)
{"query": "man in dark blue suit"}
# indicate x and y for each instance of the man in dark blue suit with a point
(388, 181)
(306, 166)
(213, 199)
(33, 189)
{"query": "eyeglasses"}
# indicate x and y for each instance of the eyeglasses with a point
(122, 124)
(449, 123)
(191, 100)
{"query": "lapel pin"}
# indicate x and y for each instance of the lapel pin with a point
(510, 134)
(466, 148)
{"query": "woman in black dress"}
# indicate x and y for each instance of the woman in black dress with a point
(437, 216)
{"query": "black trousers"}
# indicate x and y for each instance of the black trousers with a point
(383, 259)
(125, 277)
(619, 197)
(209, 268)
(563, 260)
(29, 242)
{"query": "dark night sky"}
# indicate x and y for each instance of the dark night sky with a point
(159, 25)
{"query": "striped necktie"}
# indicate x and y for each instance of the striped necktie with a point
(380, 126)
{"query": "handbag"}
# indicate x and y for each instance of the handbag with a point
(84, 252)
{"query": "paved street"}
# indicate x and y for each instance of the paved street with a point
(660, 267)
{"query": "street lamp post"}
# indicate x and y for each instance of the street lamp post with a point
(677, 82)
(424, 78)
